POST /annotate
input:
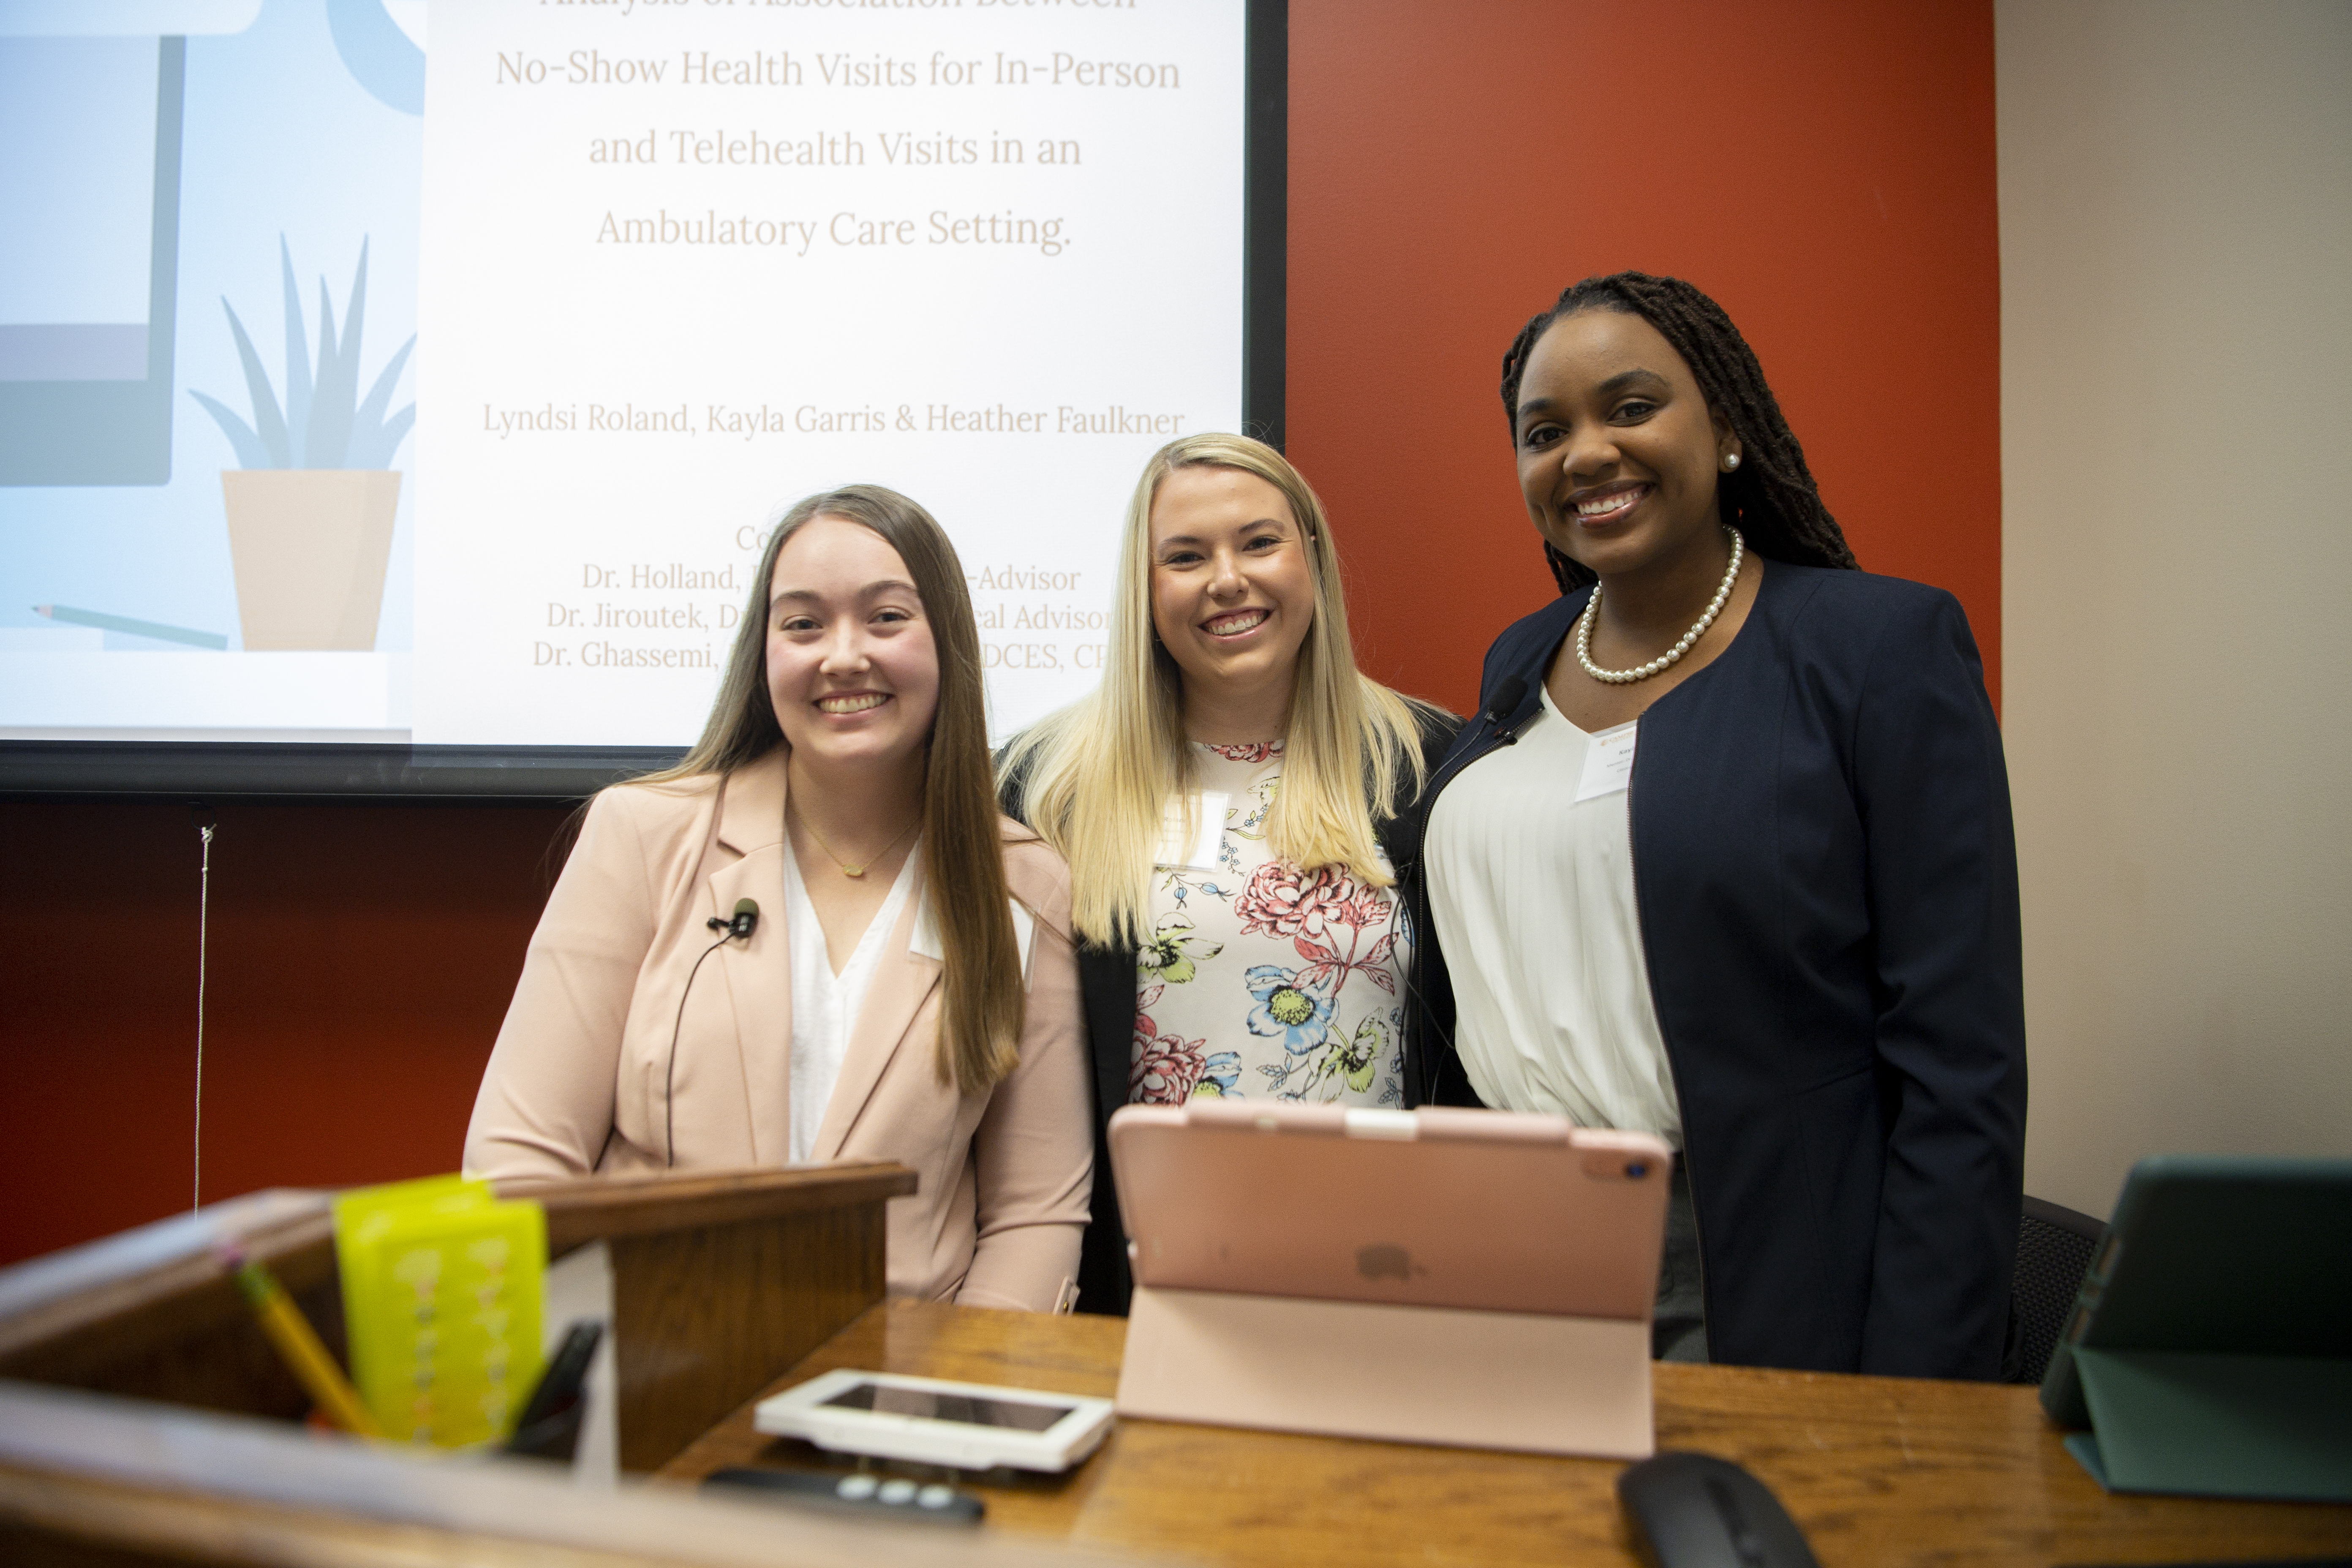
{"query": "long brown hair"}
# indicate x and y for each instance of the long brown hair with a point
(963, 853)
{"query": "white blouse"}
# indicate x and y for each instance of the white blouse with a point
(1531, 891)
(825, 1004)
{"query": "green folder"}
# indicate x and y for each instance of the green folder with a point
(2210, 1350)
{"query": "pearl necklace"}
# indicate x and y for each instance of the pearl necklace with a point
(1668, 659)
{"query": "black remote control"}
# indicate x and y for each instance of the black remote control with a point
(858, 1493)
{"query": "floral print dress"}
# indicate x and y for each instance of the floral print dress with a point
(1260, 980)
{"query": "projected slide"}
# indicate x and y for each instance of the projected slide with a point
(683, 263)
(470, 391)
(198, 539)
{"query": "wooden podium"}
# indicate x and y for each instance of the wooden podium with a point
(144, 1417)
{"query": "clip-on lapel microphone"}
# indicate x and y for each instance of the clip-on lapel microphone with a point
(1507, 697)
(745, 921)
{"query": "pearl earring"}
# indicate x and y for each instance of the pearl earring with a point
(1730, 462)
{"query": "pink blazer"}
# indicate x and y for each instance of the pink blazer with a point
(575, 1084)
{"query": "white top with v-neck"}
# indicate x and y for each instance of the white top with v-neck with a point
(1531, 891)
(825, 1004)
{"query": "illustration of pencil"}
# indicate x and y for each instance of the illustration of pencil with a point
(107, 622)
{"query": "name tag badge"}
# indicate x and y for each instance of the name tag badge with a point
(1608, 763)
(1195, 851)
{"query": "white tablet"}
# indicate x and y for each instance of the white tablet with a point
(965, 1426)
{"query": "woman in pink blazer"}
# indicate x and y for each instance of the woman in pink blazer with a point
(815, 938)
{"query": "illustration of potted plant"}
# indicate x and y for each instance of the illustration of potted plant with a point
(310, 511)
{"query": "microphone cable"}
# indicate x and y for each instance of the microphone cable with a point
(1401, 916)
(205, 823)
(745, 921)
(1509, 693)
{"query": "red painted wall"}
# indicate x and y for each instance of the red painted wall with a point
(1824, 170)
(360, 960)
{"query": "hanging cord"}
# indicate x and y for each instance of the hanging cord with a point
(204, 826)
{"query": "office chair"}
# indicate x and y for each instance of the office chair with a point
(2054, 1247)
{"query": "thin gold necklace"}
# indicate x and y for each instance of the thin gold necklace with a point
(846, 868)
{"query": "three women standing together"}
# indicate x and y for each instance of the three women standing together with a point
(1725, 856)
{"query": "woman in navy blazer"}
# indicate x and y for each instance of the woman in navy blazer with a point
(1816, 830)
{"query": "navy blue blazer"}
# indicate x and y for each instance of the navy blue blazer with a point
(1827, 883)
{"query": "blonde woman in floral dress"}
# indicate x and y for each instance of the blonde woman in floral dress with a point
(1225, 800)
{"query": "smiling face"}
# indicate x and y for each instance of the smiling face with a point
(852, 669)
(1232, 594)
(1618, 451)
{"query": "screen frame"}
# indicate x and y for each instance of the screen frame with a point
(878, 1389)
(92, 770)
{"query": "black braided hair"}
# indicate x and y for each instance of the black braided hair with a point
(1771, 498)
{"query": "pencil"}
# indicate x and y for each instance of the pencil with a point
(107, 622)
(298, 1347)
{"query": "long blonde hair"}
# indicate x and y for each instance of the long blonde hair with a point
(981, 1004)
(1096, 776)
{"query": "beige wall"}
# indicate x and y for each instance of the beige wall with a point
(2175, 215)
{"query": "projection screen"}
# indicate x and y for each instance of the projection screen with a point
(395, 400)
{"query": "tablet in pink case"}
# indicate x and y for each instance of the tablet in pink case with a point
(1449, 1276)
(1494, 1210)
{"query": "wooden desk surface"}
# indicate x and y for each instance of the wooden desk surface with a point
(1879, 1471)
